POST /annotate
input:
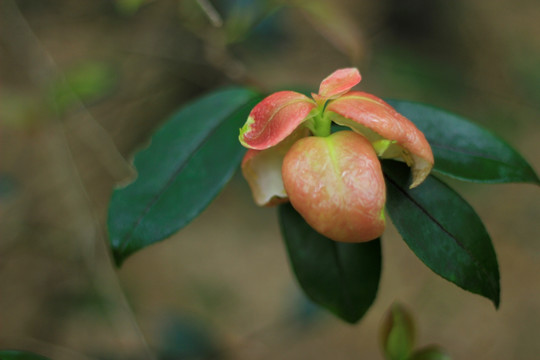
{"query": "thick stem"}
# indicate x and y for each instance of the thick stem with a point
(322, 125)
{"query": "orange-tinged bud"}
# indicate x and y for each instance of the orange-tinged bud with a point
(275, 118)
(336, 184)
(377, 120)
(338, 83)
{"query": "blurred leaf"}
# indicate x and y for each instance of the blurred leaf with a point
(464, 150)
(398, 333)
(334, 24)
(191, 157)
(341, 277)
(239, 24)
(246, 17)
(85, 82)
(432, 352)
(19, 355)
(9, 186)
(128, 7)
(443, 230)
(187, 338)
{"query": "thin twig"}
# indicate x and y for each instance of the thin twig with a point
(104, 275)
(211, 12)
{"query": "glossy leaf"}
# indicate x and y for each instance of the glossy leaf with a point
(464, 150)
(20, 355)
(341, 277)
(398, 333)
(191, 157)
(443, 230)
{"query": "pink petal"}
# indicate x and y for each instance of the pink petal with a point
(262, 171)
(336, 184)
(275, 118)
(339, 82)
(372, 117)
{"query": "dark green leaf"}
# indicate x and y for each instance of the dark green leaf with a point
(19, 355)
(190, 159)
(398, 333)
(464, 150)
(341, 277)
(443, 230)
(432, 352)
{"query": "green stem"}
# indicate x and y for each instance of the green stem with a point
(322, 125)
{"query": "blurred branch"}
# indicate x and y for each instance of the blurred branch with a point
(105, 278)
(211, 12)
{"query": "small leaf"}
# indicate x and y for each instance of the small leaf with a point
(275, 118)
(443, 230)
(191, 157)
(20, 355)
(339, 82)
(431, 352)
(464, 150)
(398, 333)
(341, 277)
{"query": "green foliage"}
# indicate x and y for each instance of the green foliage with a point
(341, 277)
(196, 151)
(443, 230)
(191, 157)
(19, 355)
(398, 338)
(464, 150)
(398, 333)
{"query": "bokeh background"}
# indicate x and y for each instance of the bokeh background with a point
(84, 84)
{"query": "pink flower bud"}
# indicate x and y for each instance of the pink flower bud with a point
(335, 180)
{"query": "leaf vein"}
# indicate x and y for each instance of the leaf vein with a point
(127, 238)
(439, 225)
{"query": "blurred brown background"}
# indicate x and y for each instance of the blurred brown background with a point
(83, 85)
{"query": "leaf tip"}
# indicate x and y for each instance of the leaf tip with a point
(118, 258)
(497, 300)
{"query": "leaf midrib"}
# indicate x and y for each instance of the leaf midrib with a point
(274, 114)
(438, 224)
(127, 238)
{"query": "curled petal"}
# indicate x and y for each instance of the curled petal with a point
(275, 118)
(338, 83)
(392, 135)
(336, 184)
(262, 170)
